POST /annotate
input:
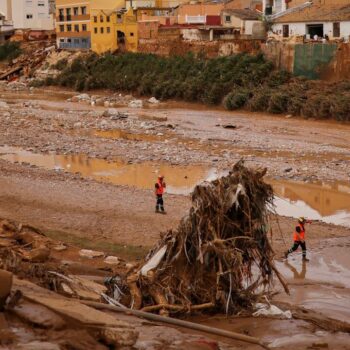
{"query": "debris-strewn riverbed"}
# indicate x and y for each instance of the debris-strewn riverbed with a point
(82, 169)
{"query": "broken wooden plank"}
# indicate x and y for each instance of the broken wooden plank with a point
(113, 331)
(11, 71)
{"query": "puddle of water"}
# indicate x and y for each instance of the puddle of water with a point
(180, 179)
(322, 284)
(325, 202)
(318, 201)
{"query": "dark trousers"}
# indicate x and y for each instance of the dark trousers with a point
(160, 202)
(296, 245)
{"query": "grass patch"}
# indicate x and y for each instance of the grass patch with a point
(127, 252)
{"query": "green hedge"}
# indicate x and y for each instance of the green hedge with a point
(239, 81)
(9, 51)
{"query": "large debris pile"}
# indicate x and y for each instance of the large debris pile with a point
(34, 53)
(218, 256)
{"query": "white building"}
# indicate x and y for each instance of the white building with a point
(29, 14)
(241, 20)
(331, 20)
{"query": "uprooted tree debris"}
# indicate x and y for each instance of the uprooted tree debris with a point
(210, 261)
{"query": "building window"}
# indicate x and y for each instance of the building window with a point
(336, 29)
(69, 28)
(108, 19)
(41, 3)
(29, 16)
(69, 40)
(83, 27)
(108, 29)
(76, 27)
(83, 10)
(68, 13)
(95, 30)
(131, 34)
(61, 28)
(95, 19)
(101, 30)
(76, 41)
(61, 40)
(76, 11)
(84, 41)
(101, 18)
(227, 18)
(61, 15)
(285, 30)
(29, 3)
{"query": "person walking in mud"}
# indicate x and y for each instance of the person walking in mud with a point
(299, 238)
(159, 191)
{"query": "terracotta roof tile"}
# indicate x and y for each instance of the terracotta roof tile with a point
(317, 13)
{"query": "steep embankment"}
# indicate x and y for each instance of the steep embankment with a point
(240, 81)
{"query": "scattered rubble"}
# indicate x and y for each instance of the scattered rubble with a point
(113, 260)
(153, 100)
(86, 253)
(135, 104)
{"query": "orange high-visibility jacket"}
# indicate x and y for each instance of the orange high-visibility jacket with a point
(160, 186)
(299, 236)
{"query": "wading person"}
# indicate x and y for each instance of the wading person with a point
(299, 238)
(159, 190)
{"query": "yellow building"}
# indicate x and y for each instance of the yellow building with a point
(103, 20)
(126, 30)
(73, 24)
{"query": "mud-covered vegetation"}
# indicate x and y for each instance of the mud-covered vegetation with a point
(240, 81)
(9, 51)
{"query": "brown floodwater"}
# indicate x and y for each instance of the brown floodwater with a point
(329, 202)
(323, 284)
(180, 179)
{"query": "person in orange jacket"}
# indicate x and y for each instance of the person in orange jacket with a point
(299, 238)
(159, 190)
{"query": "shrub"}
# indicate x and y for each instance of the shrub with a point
(60, 64)
(9, 51)
(236, 99)
(317, 106)
(340, 107)
(278, 78)
(260, 100)
(238, 80)
(278, 103)
(38, 83)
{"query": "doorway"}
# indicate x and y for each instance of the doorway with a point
(314, 29)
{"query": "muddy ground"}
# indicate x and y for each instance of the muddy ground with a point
(77, 202)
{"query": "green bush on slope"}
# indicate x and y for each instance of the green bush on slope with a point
(239, 81)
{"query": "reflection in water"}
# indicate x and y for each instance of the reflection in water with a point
(317, 201)
(297, 275)
(180, 179)
(329, 203)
